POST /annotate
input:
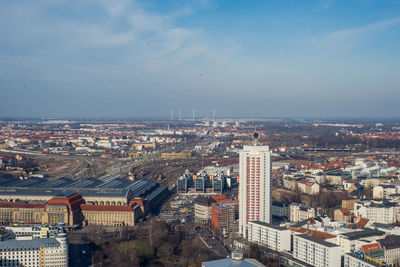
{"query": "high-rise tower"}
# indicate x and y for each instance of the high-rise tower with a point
(254, 186)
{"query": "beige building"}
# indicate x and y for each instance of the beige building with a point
(66, 209)
(300, 212)
(383, 191)
(203, 210)
(334, 179)
(349, 203)
(310, 188)
(125, 215)
(342, 215)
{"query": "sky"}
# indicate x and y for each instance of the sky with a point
(243, 58)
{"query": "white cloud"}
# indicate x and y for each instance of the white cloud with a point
(323, 5)
(345, 40)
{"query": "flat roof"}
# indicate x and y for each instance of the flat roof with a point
(362, 234)
(317, 240)
(28, 244)
(270, 225)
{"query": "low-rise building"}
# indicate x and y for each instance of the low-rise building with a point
(378, 211)
(356, 260)
(268, 235)
(280, 209)
(300, 212)
(202, 209)
(342, 215)
(111, 215)
(391, 247)
(383, 191)
(308, 187)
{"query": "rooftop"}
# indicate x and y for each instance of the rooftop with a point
(269, 225)
(28, 244)
(363, 234)
(317, 240)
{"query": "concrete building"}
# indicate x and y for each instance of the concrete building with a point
(202, 183)
(384, 191)
(342, 215)
(280, 209)
(354, 240)
(391, 247)
(202, 209)
(62, 208)
(349, 203)
(111, 215)
(300, 212)
(356, 260)
(254, 186)
(377, 211)
(315, 251)
(223, 216)
(268, 235)
(308, 187)
(38, 252)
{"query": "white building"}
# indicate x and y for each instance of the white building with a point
(35, 252)
(352, 260)
(254, 186)
(268, 235)
(377, 211)
(316, 252)
(300, 212)
(384, 191)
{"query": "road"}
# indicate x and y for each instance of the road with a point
(208, 237)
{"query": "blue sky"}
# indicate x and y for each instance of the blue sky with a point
(245, 58)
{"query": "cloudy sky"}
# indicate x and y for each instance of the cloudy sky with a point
(245, 58)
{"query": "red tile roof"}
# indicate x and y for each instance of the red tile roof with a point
(345, 211)
(362, 222)
(371, 247)
(314, 233)
(73, 202)
(107, 208)
(222, 199)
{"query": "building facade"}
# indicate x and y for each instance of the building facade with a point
(354, 260)
(65, 209)
(36, 252)
(268, 235)
(377, 211)
(254, 186)
(300, 212)
(223, 216)
(111, 215)
(202, 209)
(316, 252)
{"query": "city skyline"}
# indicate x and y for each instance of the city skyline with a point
(128, 59)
